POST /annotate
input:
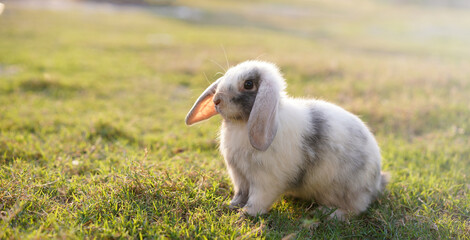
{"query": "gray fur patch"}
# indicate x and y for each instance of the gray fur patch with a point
(246, 99)
(245, 102)
(314, 145)
(358, 158)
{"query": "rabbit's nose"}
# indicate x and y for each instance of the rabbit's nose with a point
(216, 99)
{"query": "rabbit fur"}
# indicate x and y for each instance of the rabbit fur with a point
(274, 144)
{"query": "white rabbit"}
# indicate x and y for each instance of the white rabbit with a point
(274, 144)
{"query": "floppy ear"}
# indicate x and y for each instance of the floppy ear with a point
(204, 107)
(262, 123)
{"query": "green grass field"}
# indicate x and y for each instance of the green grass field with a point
(92, 105)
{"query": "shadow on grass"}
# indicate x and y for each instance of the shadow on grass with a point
(10, 152)
(110, 133)
(293, 218)
(50, 87)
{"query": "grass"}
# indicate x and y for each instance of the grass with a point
(93, 142)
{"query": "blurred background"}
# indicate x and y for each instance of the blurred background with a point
(401, 65)
(89, 88)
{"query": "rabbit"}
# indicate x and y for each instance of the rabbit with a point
(274, 144)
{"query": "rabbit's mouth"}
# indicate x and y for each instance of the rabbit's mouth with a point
(220, 111)
(230, 116)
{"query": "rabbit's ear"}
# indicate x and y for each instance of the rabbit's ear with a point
(204, 107)
(262, 123)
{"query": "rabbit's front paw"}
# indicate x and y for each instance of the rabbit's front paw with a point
(238, 201)
(254, 210)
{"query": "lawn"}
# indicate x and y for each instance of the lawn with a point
(92, 104)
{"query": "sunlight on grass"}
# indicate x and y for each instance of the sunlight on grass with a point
(92, 105)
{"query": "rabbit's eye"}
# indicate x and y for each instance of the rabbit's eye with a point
(248, 84)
